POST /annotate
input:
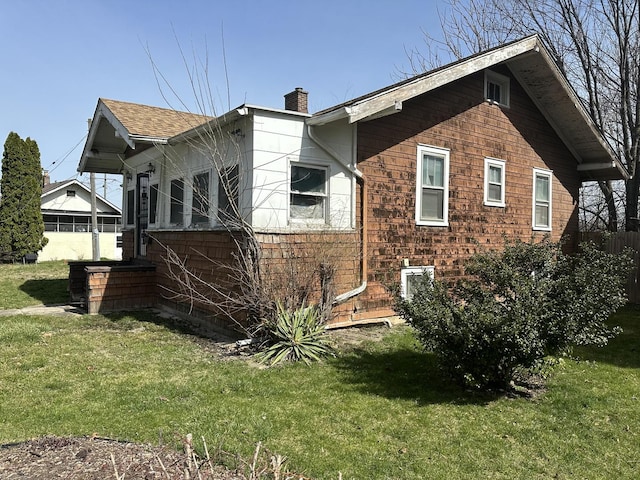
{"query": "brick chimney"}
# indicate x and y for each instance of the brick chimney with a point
(296, 101)
(46, 178)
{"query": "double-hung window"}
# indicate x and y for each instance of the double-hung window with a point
(542, 196)
(432, 186)
(176, 202)
(200, 199)
(494, 182)
(496, 88)
(308, 193)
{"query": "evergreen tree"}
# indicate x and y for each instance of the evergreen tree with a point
(21, 224)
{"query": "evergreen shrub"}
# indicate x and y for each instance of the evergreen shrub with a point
(518, 307)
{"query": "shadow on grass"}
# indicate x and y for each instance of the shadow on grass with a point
(128, 320)
(624, 350)
(47, 291)
(404, 374)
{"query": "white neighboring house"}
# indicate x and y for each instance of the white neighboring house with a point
(66, 211)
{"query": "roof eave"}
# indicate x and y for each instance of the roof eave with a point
(97, 159)
(387, 99)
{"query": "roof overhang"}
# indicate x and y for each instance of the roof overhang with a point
(108, 141)
(533, 67)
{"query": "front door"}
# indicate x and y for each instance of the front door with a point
(142, 214)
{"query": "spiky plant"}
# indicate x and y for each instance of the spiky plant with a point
(297, 335)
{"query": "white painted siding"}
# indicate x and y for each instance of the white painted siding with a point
(81, 202)
(266, 143)
(78, 246)
(279, 141)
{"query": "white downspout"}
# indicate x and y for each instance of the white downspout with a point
(343, 297)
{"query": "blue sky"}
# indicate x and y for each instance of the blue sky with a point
(60, 56)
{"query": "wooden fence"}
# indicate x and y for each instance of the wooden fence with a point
(617, 242)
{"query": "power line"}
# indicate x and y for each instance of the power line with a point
(60, 160)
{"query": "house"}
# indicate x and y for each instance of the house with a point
(66, 211)
(407, 180)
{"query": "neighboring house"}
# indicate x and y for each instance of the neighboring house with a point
(66, 211)
(407, 180)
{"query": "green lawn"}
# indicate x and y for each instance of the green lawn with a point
(379, 411)
(35, 284)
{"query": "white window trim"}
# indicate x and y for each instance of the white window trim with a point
(412, 272)
(443, 152)
(505, 87)
(307, 221)
(494, 162)
(549, 174)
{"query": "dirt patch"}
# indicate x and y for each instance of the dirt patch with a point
(347, 338)
(99, 458)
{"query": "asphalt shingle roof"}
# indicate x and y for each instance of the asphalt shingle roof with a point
(148, 121)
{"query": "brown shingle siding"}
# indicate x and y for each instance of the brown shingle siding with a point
(457, 118)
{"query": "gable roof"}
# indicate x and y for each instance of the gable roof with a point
(50, 189)
(533, 67)
(120, 127)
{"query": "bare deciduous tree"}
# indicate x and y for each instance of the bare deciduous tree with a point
(255, 273)
(596, 44)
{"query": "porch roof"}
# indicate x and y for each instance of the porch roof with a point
(121, 128)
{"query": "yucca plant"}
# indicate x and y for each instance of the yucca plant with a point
(297, 335)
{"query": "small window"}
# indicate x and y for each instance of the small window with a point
(71, 193)
(200, 201)
(494, 182)
(432, 194)
(542, 197)
(176, 202)
(496, 88)
(228, 195)
(153, 204)
(131, 197)
(308, 193)
(410, 277)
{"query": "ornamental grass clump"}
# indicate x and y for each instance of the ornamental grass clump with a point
(520, 307)
(297, 335)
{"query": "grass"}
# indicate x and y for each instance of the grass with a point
(33, 284)
(378, 411)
